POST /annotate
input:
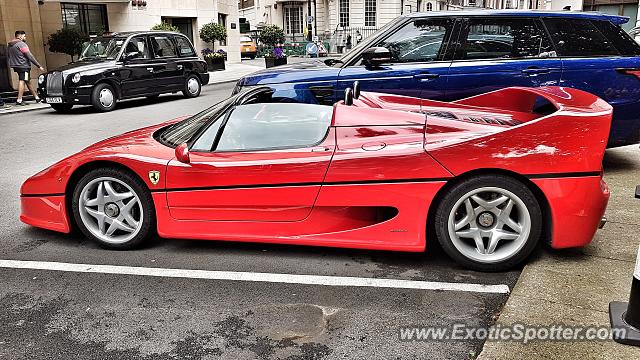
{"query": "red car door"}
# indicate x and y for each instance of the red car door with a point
(268, 165)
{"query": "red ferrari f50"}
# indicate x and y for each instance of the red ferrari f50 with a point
(488, 176)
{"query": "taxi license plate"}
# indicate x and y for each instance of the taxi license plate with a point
(54, 100)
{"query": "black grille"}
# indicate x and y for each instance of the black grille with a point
(54, 84)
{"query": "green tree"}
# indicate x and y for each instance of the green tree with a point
(68, 41)
(211, 32)
(271, 35)
(165, 26)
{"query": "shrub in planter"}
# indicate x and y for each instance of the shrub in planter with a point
(165, 26)
(273, 36)
(211, 32)
(214, 59)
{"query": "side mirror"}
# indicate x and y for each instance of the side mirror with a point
(376, 56)
(131, 55)
(182, 153)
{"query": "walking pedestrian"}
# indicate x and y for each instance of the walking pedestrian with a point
(20, 60)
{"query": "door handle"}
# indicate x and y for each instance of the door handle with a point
(321, 149)
(426, 77)
(150, 69)
(179, 67)
(535, 71)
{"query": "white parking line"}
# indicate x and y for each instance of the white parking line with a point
(253, 276)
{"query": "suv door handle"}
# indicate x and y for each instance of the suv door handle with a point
(150, 69)
(426, 77)
(535, 71)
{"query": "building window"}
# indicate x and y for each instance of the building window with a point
(507, 4)
(243, 4)
(89, 18)
(222, 20)
(429, 7)
(370, 7)
(293, 19)
(344, 13)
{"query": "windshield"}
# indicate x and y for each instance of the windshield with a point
(102, 48)
(183, 131)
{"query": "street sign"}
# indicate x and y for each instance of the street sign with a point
(312, 48)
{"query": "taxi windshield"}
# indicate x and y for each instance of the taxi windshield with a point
(106, 48)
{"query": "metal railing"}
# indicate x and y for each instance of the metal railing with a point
(344, 38)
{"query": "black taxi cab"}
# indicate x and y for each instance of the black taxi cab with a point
(123, 66)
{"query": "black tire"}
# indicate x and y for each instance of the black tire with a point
(61, 108)
(95, 97)
(191, 94)
(148, 216)
(458, 191)
(252, 57)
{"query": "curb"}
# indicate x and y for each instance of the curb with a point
(28, 109)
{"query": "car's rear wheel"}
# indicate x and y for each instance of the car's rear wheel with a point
(192, 86)
(61, 108)
(113, 208)
(489, 223)
(103, 97)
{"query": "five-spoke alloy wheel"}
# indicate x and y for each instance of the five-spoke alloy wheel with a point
(114, 208)
(489, 223)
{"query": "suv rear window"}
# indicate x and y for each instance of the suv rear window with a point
(625, 45)
(579, 38)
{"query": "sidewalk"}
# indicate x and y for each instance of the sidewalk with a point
(574, 287)
(232, 73)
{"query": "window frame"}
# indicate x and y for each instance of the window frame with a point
(465, 25)
(225, 121)
(185, 38)
(561, 56)
(344, 15)
(171, 40)
(83, 16)
(446, 54)
(368, 13)
(123, 50)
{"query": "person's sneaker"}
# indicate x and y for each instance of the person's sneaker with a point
(38, 101)
(21, 103)
(5, 107)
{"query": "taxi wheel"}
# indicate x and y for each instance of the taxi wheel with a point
(192, 86)
(103, 97)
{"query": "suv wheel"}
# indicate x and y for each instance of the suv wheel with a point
(103, 97)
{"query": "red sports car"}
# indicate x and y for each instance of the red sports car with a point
(489, 176)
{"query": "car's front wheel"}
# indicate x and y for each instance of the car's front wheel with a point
(114, 208)
(489, 223)
(192, 87)
(103, 97)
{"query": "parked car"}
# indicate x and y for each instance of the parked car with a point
(453, 55)
(488, 176)
(123, 66)
(248, 47)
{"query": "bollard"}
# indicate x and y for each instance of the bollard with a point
(627, 315)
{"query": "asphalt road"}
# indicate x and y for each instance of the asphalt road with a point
(56, 315)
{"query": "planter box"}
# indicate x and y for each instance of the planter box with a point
(271, 61)
(215, 64)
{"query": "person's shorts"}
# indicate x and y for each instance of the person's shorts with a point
(23, 74)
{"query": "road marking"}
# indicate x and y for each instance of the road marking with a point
(255, 277)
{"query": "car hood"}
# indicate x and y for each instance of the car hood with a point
(86, 66)
(307, 71)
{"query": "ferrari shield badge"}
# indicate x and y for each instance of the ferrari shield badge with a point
(154, 176)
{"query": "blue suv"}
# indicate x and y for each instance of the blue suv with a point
(452, 55)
